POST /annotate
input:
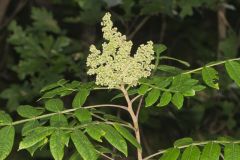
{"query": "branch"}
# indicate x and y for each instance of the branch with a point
(3, 8)
(134, 120)
(64, 112)
(104, 155)
(139, 107)
(20, 6)
(211, 65)
(95, 122)
(123, 124)
(192, 144)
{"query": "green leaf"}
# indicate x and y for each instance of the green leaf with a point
(5, 118)
(191, 153)
(40, 144)
(59, 44)
(36, 136)
(162, 82)
(178, 100)
(28, 111)
(7, 135)
(152, 97)
(43, 20)
(127, 135)
(187, 7)
(169, 69)
(83, 115)
(198, 88)
(28, 127)
(233, 69)
(54, 105)
(80, 98)
(159, 48)
(165, 99)
(115, 139)
(57, 142)
(210, 76)
(143, 89)
(183, 141)
(83, 145)
(54, 85)
(75, 156)
(59, 120)
(61, 91)
(110, 117)
(189, 93)
(171, 154)
(232, 152)
(181, 81)
(96, 132)
(211, 151)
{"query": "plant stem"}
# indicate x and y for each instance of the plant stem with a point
(64, 112)
(211, 65)
(134, 119)
(192, 144)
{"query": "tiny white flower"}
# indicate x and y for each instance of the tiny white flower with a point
(114, 66)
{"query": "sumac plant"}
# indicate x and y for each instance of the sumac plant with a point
(141, 81)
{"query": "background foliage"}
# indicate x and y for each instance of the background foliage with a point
(45, 41)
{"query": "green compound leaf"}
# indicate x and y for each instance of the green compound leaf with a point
(80, 98)
(211, 151)
(165, 99)
(183, 141)
(96, 132)
(83, 115)
(152, 97)
(127, 135)
(178, 100)
(171, 154)
(210, 76)
(7, 135)
(83, 145)
(28, 111)
(36, 136)
(191, 153)
(232, 152)
(57, 142)
(54, 105)
(233, 69)
(115, 139)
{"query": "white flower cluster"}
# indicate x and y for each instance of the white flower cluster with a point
(114, 66)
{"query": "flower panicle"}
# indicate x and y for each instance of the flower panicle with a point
(114, 65)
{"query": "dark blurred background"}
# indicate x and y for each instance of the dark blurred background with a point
(42, 41)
